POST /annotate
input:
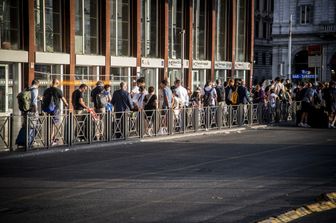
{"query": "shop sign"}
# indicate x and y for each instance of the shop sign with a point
(242, 66)
(223, 65)
(201, 64)
(153, 63)
(123, 61)
(176, 63)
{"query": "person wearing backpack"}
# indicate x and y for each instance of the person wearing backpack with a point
(51, 103)
(98, 98)
(209, 95)
(220, 91)
(28, 105)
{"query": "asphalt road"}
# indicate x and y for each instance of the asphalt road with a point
(236, 177)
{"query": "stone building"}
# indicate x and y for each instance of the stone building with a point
(313, 39)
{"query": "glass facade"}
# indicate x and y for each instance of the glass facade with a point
(199, 29)
(120, 27)
(119, 75)
(223, 34)
(241, 35)
(149, 28)
(48, 25)
(87, 27)
(176, 20)
(10, 24)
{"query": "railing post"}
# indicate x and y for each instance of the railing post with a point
(89, 132)
(170, 121)
(125, 117)
(230, 115)
(196, 118)
(220, 116)
(141, 124)
(48, 130)
(71, 134)
(11, 131)
(27, 131)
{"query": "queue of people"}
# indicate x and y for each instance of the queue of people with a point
(272, 96)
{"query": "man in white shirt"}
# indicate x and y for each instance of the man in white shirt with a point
(182, 93)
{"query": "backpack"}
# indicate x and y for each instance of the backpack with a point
(207, 98)
(220, 94)
(24, 100)
(49, 105)
(234, 97)
(101, 100)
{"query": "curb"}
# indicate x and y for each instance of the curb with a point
(326, 203)
(30, 153)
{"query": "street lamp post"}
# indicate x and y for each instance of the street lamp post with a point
(290, 48)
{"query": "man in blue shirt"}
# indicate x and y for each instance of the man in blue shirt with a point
(167, 95)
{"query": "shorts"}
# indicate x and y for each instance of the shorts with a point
(306, 107)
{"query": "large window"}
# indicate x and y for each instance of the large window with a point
(120, 26)
(149, 28)
(223, 8)
(175, 28)
(87, 27)
(241, 37)
(48, 25)
(199, 29)
(9, 24)
(306, 14)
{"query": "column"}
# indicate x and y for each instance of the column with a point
(213, 38)
(251, 41)
(234, 30)
(107, 40)
(31, 43)
(72, 33)
(190, 12)
(138, 36)
(166, 38)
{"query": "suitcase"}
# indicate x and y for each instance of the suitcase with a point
(21, 138)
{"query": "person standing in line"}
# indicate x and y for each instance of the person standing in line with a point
(51, 104)
(167, 95)
(80, 107)
(307, 105)
(182, 93)
(121, 101)
(98, 98)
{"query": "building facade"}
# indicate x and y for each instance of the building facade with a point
(82, 41)
(313, 42)
(263, 45)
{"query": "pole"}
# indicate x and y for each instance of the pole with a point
(290, 48)
(182, 54)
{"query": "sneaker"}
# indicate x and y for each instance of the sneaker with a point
(300, 124)
(329, 126)
(306, 125)
(54, 143)
(333, 127)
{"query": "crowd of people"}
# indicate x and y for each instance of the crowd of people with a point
(270, 95)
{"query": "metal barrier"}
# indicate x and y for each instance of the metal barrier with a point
(45, 131)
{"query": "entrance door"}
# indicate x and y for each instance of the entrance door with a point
(198, 80)
(4, 89)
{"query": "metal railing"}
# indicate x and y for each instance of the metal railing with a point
(45, 131)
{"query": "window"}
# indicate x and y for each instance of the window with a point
(87, 27)
(175, 28)
(120, 28)
(48, 25)
(241, 37)
(10, 24)
(223, 27)
(149, 25)
(199, 29)
(306, 14)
